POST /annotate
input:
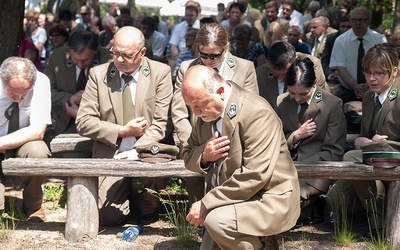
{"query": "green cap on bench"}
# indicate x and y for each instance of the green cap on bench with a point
(381, 153)
(157, 152)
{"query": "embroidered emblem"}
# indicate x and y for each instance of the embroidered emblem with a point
(231, 62)
(146, 70)
(154, 149)
(95, 62)
(199, 62)
(393, 94)
(69, 63)
(270, 75)
(232, 110)
(318, 96)
(113, 72)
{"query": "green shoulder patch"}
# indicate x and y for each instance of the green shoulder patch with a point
(318, 96)
(393, 94)
(146, 70)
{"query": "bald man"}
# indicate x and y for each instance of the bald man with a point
(251, 182)
(118, 123)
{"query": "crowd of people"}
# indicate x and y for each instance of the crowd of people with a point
(246, 92)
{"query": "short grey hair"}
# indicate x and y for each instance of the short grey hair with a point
(17, 67)
(108, 21)
(314, 3)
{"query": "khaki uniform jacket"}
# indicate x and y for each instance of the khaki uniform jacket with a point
(258, 177)
(328, 141)
(236, 69)
(268, 83)
(388, 122)
(102, 120)
(252, 15)
(61, 71)
(263, 34)
(320, 47)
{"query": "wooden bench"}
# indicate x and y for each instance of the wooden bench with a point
(82, 184)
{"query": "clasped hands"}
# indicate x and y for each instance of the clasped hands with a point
(72, 105)
(362, 140)
(215, 148)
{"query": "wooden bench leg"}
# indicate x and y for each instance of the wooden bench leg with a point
(82, 210)
(393, 214)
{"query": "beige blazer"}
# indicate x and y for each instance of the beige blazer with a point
(252, 15)
(263, 34)
(102, 121)
(268, 83)
(328, 141)
(61, 71)
(258, 177)
(236, 69)
(388, 122)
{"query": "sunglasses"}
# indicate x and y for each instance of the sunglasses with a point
(211, 56)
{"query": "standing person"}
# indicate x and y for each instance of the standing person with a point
(315, 130)
(56, 6)
(67, 69)
(271, 77)
(236, 11)
(290, 13)
(212, 44)
(381, 107)
(120, 118)
(24, 114)
(348, 51)
(251, 181)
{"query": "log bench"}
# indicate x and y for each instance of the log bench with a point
(82, 183)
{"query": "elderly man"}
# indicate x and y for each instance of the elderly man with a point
(67, 69)
(252, 183)
(24, 114)
(318, 34)
(126, 104)
(106, 36)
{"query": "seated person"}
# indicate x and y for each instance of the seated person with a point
(381, 106)
(315, 129)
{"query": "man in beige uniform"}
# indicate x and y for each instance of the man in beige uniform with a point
(117, 124)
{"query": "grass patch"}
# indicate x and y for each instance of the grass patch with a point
(8, 221)
(56, 194)
(378, 239)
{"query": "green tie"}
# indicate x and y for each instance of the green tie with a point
(12, 115)
(128, 107)
(302, 113)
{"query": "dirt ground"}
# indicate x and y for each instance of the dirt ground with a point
(50, 235)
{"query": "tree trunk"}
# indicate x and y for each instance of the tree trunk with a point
(132, 7)
(11, 21)
(396, 21)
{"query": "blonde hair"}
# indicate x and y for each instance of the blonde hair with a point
(274, 34)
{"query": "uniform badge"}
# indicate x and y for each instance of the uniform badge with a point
(270, 75)
(69, 63)
(113, 72)
(393, 94)
(231, 62)
(146, 70)
(318, 96)
(154, 149)
(232, 110)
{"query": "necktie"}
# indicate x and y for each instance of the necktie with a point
(316, 47)
(302, 112)
(128, 108)
(375, 117)
(81, 83)
(12, 115)
(214, 177)
(361, 52)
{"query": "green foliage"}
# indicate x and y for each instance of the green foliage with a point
(378, 241)
(176, 211)
(8, 220)
(175, 187)
(55, 193)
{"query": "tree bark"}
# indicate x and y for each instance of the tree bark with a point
(11, 21)
(396, 21)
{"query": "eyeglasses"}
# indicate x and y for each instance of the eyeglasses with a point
(375, 74)
(124, 56)
(211, 56)
(354, 20)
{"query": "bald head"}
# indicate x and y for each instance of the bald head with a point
(129, 35)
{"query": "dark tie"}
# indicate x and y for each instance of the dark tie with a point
(128, 108)
(361, 52)
(12, 115)
(302, 113)
(316, 47)
(214, 179)
(81, 83)
(375, 118)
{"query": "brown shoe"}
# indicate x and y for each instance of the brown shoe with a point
(271, 243)
(35, 216)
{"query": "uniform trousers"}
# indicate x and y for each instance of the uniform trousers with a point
(32, 193)
(114, 198)
(369, 194)
(222, 233)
